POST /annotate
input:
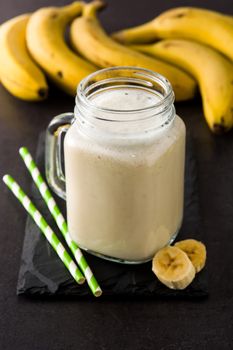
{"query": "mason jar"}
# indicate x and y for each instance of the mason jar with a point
(123, 176)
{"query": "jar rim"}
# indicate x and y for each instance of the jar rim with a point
(160, 106)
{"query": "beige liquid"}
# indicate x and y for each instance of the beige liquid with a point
(125, 201)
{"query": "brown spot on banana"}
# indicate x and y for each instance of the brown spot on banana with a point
(54, 15)
(60, 74)
(179, 15)
(169, 44)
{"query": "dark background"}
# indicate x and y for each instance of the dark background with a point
(164, 325)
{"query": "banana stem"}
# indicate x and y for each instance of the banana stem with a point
(90, 9)
(72, 10)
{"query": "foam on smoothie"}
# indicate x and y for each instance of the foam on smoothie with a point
(125, 99)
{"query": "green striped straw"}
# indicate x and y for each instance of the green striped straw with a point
(59, 218)
(45, 228)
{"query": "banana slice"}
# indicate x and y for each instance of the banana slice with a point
(196, 252)
(173, 268)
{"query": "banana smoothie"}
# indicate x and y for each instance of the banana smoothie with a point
(125, 192)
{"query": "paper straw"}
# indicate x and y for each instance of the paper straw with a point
(58, 217)
(45, 228)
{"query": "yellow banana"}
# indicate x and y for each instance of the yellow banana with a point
(208, 27)
(18, 73)
(89, 39)
(46, 43)
(213, 72)
(173, 268)
(195, 250)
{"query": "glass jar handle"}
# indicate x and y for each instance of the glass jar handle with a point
(54, 152)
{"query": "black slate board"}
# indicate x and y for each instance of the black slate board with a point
(42, 274)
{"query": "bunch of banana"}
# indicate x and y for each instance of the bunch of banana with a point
(46, 43)
(18, 73)
(208, 27)
(213, 72)
(176, 266)
(90, 40)
(207, 56)
(34, 45)
(31, 45)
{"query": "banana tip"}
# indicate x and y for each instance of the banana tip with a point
(100, 4)
(118, 36)
(219, 129)
(43, 93)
